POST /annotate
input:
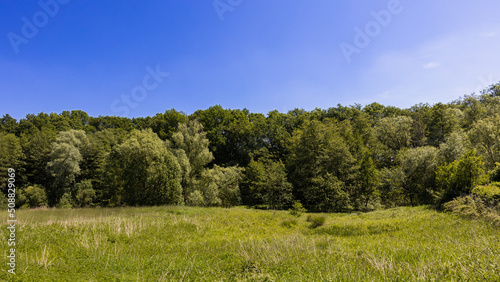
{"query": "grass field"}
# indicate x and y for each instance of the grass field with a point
(216, 244)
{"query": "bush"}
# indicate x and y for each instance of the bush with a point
(475, 207)
(33, 196)
(316, 220)
(297, 209)
(459, 177)
(488, 192)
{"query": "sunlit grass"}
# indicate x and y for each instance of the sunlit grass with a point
(214, 244)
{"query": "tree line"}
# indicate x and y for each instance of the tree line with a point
(338, 159)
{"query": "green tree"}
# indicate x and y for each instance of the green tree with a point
(37, 147)
(459, 177)
(485, 135)
(368, 180)
(328, 193)
(190, 146)
(418, 167)
(32, 197)
(148, 172)
(218, 186)
(10, 157)
(395, 132)
(227, 180)
(443, 121)
(64, 164)
(166, 124)
(84, 194)
(391, 187)
(215, 121)
(266, 184)
(455, 146)
(318, 149)
(8, 124)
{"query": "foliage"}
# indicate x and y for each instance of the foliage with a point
(320, 164)
(485, 135)
(84, 193)
(37, 147)
(217, 186)
(10, 156)
(368, 181)
(266, 184)
(455, 146)
(394, 132)
(149, 173)
(328, 194)
(64, 164)
(221, 186)
(32, 197)
(190, 146)
(297, 209)
(459, 177)
(66, 201)
(475, 207)
(341, 158)
(418, 167)
(488, 192)
(195, 198)
(391, 187)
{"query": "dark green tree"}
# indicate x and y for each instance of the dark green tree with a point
(147, 173)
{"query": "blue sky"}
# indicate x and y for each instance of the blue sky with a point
(112, 57)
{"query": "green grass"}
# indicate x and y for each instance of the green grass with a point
(215, 244)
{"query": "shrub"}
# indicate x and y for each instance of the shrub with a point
(297, 209)
(316, 220)
(488, 192)
(33, 196)
(459, 177)
(475, 207)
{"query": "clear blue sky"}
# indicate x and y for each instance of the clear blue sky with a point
(97, 56)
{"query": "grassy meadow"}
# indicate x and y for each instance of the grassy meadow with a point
(217, 244)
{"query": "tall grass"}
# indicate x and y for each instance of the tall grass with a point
(215, 244)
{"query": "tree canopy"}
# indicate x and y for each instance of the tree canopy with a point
(337, 159)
